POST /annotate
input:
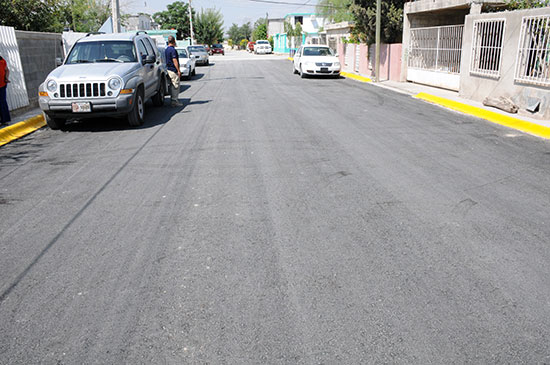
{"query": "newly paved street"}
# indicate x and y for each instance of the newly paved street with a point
(276, 220)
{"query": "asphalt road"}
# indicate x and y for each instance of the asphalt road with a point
(276, 220)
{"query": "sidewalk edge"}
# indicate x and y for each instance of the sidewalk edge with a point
(493, 117)
(18, 130)
(355, 77)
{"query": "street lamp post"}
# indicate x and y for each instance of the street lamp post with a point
(115, 16)
(377, 57)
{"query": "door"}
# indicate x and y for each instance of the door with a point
(148, 70)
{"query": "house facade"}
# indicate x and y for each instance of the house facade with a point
(311, 24)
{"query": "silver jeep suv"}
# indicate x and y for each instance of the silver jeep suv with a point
(105, 75)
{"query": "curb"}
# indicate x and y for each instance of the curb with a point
(493, 117)
(18, 130)
(360, 78)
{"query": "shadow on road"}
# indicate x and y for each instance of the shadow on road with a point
(154, 116)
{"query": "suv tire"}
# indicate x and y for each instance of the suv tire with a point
(135, 117)
(158, 99)
(54, 123)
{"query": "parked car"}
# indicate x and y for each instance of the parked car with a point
(217, 49)
(262, 46)
(316, 60)
(207, 48)
(250, 46)
(105, 75)
(200, 52)
(187, 63)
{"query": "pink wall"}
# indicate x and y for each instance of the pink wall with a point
(390, 60)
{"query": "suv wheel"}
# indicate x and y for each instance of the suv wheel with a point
(158, 99)
(54, 123)
(135, 117)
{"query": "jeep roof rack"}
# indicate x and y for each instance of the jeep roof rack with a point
(141, 31)
(94, 33)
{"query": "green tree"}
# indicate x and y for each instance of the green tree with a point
(527, 4)
(335, 11)
(209, 26)
(260, 32)
(175, 17)
(246, 31)
(295, 33)
(239, 33)
(243, 43)
(364, 12)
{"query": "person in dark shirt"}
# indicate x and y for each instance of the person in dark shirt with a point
(4, 80)
(173, 66)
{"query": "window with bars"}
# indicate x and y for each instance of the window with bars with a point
(488, 37)
(533, 60)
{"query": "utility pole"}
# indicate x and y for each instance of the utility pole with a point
(191, 24)
(377, 57)
(115, 16)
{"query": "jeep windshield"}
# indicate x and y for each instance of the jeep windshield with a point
(102, 51)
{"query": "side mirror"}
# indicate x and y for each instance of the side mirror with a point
(336, 55)
(58, 61)
(150, 59)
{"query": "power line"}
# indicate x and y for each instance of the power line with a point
(297, 4)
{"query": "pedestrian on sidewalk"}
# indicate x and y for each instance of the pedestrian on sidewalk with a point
(173, 66)
(4, 80)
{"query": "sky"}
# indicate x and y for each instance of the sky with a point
(234, 11)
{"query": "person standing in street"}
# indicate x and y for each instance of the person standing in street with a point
(4, 80)
(173, 66)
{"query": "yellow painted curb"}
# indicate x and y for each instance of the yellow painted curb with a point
(21, 129)
(290, 58)
(355, 77)
(493, 117)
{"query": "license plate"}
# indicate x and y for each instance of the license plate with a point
(81, 107)
(324, 69)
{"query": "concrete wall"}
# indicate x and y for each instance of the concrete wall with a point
(38, 53)
(478, 87)
(390, 60)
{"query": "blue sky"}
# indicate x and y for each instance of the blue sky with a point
(234, 11)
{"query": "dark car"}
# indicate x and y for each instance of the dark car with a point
(217, 48)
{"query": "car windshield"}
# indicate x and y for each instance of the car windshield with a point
(217, 46)
(318, 51)
(182, 53)
(102, 51)
(197, 49)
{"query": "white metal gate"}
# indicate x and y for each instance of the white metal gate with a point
(434, 56)
(16, 91)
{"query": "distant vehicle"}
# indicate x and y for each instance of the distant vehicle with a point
(217, 48)
(187, 63)
(316, 60)
(207, 48)
(105, 75)
(201, 52)
(250, 46)
(262, 46)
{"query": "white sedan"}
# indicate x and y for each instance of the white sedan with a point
(187, 63)
(316, 60)
(262, 46)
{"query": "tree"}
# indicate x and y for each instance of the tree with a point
(209, 26)
(335, 11)
(364, 12)
(260, 32)
(175, 17)
(237, 34)
(527, 4)
(293, 33)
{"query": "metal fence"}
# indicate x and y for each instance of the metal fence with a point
(436, 48)
(533, 60)
(487, 38)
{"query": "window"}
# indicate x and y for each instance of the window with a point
(533, 60)
(299, 19)
(142, 50)
(105, 51)
(488, 36)
(150, 50)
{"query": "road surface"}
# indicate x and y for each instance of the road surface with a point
(276, 220)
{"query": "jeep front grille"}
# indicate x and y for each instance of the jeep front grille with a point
(82, 90)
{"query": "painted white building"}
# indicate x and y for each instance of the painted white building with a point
(311, 24)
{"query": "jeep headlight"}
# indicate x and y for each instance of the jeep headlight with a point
(51, 86)
(114, 83)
